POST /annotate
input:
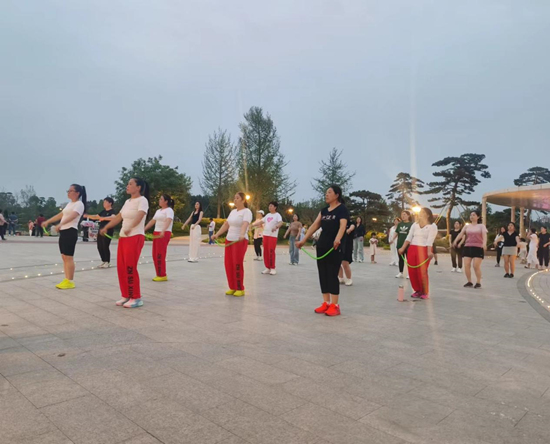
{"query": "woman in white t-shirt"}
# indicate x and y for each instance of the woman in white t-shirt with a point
(68, 231)
(271, 223)
(532, 258)
(420, 242)
(236, 242)
(132, 237)
(163, 220)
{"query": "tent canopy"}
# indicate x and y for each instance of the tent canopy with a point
(531, 197)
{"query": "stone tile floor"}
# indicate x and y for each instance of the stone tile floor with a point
(195, 366)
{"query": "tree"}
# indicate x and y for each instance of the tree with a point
(458, 177)
(533, 176)
(370, 206)
(332, 172)
(161, 179)
(218, 168)
(261, 163)
(402, 190)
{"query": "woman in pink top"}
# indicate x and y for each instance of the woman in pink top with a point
(474, 248)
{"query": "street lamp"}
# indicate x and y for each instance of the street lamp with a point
(416, 209)
(374, 219)
(290, 210)
(231, 204)
(247, 197)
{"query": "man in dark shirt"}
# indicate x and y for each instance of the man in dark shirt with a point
(543, 252)
(39, 230)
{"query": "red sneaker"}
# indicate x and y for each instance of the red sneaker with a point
(424, 296)
(333, 310)
(323, 308)
(416, 294)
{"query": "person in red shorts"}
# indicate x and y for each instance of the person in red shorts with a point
(236, 242)
(163, 220)
(132, 237)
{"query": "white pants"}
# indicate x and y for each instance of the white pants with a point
(394, 257)
(194, 243)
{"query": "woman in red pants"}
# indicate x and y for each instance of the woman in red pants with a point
(420, 251)
(271, 224)
(163, 220)
(132, 237)
(236, 226)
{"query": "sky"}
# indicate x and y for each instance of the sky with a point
(87, 87)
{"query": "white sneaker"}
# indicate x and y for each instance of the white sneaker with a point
(453, 270)
(266, 271)
(257, 258)
(360, 262)
(408, 277)
(399, 275)
(102, 265)
(349, 283)
(459, 270)
(273, 272)
(341, 280)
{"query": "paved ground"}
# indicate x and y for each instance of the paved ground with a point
(195, 366)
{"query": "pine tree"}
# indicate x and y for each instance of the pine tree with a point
(458, 177)
(332, 172)
(219, 168)
(402, 190)
(261, 163)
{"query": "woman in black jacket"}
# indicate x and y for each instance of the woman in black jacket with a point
(358, 240)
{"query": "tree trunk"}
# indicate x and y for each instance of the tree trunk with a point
(449, 210)
(219, 208)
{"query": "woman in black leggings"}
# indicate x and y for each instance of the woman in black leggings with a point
(543, 252)
(333, 219)
(499, 245)
(104, 242)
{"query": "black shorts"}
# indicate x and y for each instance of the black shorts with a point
(67, 241)
(347, 250)
(473, 252)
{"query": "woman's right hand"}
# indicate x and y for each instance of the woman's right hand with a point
(300, 244)
(215, 236)
(103, 231)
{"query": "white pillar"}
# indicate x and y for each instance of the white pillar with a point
(513, 214)
(484, 211)
(521, 221)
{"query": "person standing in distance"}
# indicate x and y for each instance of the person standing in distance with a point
(211, 229)
(474, 247)
(163, 220)
(392, 238)
(294, 230)
(68, 231)
(543, 253)
(402, 231)
(236, 242)
(456, 252)
(511, 240)
(359, 241)
(258, 236)
(132, 237)
(104, 242)
(194, 232)
(271, 223)
(333, 220)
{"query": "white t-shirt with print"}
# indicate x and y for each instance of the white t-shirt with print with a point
(270, 222)
(69, 209)
(160, 219)
(235, 220)
(212, 226)
(130, 212)
(422, 236)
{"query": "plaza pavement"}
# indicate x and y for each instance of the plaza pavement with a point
(195, 366)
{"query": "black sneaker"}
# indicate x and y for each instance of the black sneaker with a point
(511, 275)
(506, 275)
(477, 286)
(468, 284)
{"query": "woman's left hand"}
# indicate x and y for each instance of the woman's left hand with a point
(430, 256)
(336, 244)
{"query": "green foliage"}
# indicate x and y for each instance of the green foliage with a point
(369, 206)
(260, 161)
(161, 179)
(533, 176)
(402, 190)
(27, 206)
(332, 172)
(219, 169)
(457, 177)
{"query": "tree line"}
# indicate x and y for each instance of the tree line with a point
(254, 163)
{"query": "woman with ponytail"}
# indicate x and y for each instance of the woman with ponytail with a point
(236, 240)
(132, 237)
(194, 232)
(68, 231)
(163, 220)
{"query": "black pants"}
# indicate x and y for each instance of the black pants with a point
(39, 232)
(328, 271)
(258, 246)
(499, 254)
(456, 254)
(3, 231)
(544, 256)
(402, 262)
(103, 243)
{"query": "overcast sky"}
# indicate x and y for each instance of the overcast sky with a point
(87, 87)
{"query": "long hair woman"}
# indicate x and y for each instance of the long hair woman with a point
(474, 247)
(456, 251)
(236, 242)
(163, 220)
(68, 231)
(194, 232)
(104, 242)
(333, 220)
(499, 245)
(132, 237)
(402, 231)
(419, 244)
(510, 240)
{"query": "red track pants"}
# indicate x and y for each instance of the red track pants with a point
(128, 253)
(160, 245)
(270, 244)
(234, 264)
(419, 276)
